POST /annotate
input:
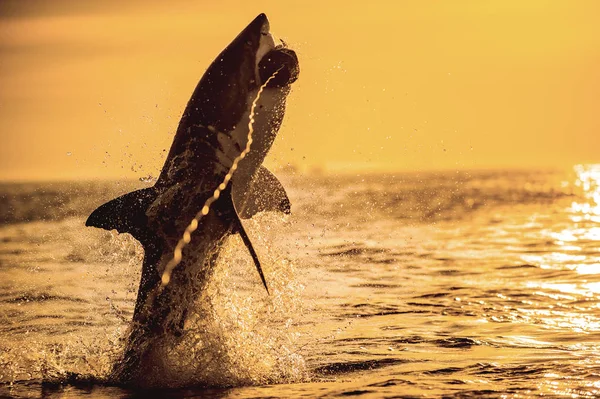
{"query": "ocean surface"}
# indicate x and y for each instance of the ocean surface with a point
(482, 284)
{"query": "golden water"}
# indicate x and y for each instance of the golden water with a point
(470, 284)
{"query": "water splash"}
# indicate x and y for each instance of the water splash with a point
(236, 335)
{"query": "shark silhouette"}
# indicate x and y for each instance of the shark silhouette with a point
(213, 131)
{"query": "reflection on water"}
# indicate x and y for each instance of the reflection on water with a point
(463, 284)
(588, 180)
(576, 245)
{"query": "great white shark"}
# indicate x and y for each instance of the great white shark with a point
(213, 131)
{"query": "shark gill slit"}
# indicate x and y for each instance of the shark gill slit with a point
(193, 225)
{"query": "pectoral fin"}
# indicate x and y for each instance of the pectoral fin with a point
(239, 228)
(264, 193)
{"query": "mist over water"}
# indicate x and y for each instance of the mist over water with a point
(462, 284)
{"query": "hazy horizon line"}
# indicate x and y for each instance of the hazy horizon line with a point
(303, 170)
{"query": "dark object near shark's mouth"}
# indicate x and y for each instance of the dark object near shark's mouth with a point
(283, 61)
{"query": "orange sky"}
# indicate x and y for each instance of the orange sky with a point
(96, 88)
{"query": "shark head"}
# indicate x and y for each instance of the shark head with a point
(222, 103)
(222, 95)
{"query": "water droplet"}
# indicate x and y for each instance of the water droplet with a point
(69, 153)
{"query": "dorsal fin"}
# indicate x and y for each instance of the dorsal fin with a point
(264, 193)
(126, 214)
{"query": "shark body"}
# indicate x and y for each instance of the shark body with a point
(213, 131)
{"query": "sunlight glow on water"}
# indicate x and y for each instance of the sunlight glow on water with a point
(588, 180)
(577, 246)
(583, 230)
(472, 286)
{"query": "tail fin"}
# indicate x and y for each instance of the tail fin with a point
(126, 214)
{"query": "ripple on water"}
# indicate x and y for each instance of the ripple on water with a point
(479, 286)
(353, 366)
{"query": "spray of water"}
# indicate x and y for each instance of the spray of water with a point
(234, 334)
